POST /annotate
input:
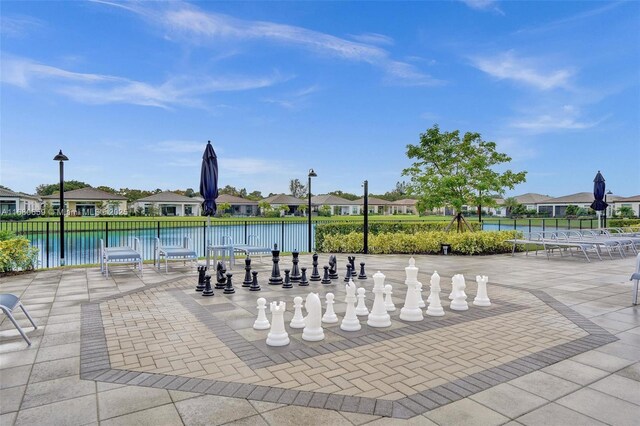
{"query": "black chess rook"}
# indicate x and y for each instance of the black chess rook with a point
(202, 270)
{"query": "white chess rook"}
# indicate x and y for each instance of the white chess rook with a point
(388, 301)
(482, 299)
(298, 320)
(378, 316)
(262, 323)
(459, 302)
(330, 316)
(435, 307)
(278, 336)
(313, 321)
(350, 321)
(361, 308)
(410, 311)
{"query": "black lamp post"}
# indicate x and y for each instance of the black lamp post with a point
(605, 209)
(61, 158)
(311, 174)
(366, 217)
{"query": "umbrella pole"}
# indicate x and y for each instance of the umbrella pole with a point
(208, 238)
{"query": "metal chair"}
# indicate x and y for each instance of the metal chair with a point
(636, 279)
(8, 302)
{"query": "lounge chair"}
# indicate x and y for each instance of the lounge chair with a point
(253, 247)
(184, 252)
(636, 279)
(8, 302)
(122, 254)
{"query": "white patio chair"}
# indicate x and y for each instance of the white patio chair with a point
(636, 279)
(8, 302)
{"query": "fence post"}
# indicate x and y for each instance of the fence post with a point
(580, 224)
(543, 224)
(106, 233)
(282, 238)
(556, 224)
(569, 223)
(499, 224)
(47, 243)
(529, 226)
(158, 231)
(514, 224)
(245, 232)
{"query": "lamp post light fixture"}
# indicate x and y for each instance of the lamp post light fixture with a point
(366, 217)
(605, 209)
(61, 158)
(311, 174)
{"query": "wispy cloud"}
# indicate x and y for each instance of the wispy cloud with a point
(562, 23)
(188, 23)
(508, 66)
(19, 26)
(373, 38)
(98, 89)
(294, 100)
(486, 5)
(235, 166)
(568, 117)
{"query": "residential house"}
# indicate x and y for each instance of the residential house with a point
(376, 205)
(404, 206)
(557, 207)
(633, 202)
(529, 200)
(239, 206)
(339, 206)
(12, 202)
(293, 203)
(168, 203)
(88, 202)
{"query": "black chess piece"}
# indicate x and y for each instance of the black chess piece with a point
(254, 283)
(202, 270)
(295, 271)
(315, 275)
(287, 280)
(362, 275)
(347, 276)
(247, 273)
(207, 286)
(333, 267)
(303, 278)
(326, 279)
(221, 279)
(276, 278)
(352, 261)
(228, 289)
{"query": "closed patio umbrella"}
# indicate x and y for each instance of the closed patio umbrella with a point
(599, 188)
(209, 188)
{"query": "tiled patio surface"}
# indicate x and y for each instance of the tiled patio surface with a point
(559, 345)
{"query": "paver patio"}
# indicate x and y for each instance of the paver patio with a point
(559, 345)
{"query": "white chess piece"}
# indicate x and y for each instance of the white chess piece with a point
(454, 283)
(350, 321)
(378, 316)
(262, 323)
(329, 316)
(435, 307)
(388, 301)
(459, 302)
(410, 311)
(435, 276)
(361, 309)
(482, 299)
(421, 303)
(298, 320)
(278, 336)
(313, 321)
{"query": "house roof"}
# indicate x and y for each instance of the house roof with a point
(580, 197)
(234, 201)
(13, 194)
(633, 198)
(332, 200)
(373, 201)
(532, 198)
(405, 202)
(283, 199)
(167, 197)
(87, 193)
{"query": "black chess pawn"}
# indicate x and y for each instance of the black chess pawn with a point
(303, 278)
(254, 283)
(247, 273)
(348, 275)
(362, 275)
(295, 271)
(202, 270)
(326, 279)
(221, 279)
(276, 278)
(287, 280)
(315, 275)
(207, 286)
(228, 289)
(352, 261)
(333, 267)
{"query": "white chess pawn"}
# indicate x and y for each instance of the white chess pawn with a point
(298, 320)
(421, 303)
(278, 336)
(361, 309)
(262, 323)
(329, 316)
(435, 307)
(313, 321)
(459, 302)
(434, 277)
(350, 321)
(482, 299)
(388, 301)
(410, 311)
(378, 316)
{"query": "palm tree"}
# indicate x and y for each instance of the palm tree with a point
(510, 203)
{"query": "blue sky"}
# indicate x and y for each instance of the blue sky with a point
(131, 91)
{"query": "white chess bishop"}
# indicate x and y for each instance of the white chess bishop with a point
(378, 316)
(411, 311)
(482, 299)
(278, 336)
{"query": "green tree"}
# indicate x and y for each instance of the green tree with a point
(511, 204)
(572, 210)
(454, 171)
(224, 208)
(255, 196)
(133, 194)
(189, 192)
(303, 209)
(345, 195)
(264, 207)
(626, 211)
(297, 189)
(69, 185)
(104, 188)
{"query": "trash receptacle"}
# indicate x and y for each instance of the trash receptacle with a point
(445, 249)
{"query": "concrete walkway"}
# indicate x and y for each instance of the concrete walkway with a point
(560, 345)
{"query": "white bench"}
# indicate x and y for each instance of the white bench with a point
(184, 252)
(122, 254)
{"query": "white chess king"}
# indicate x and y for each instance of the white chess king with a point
(410, 311)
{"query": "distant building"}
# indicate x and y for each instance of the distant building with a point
(404, 206)
(239, 206)
(633, 202)
(376, 205)
(168, 204)
(557, 207)
(279, 200)
(89, 202)
(339, 206)
(12, 202)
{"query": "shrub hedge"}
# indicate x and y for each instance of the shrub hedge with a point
(16, 253)
(421, 242)
(621, 223)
